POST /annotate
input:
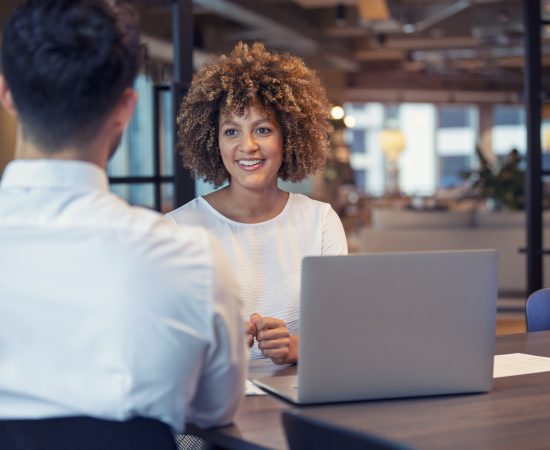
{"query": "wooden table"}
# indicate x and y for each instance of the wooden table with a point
(514, 415)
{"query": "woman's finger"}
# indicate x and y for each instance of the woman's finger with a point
(274, 343)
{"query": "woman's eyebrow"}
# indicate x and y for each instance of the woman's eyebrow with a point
(263, 119)
(229, 122)
(256, 122)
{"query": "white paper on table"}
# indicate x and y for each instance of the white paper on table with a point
(519, 364)
(251, 389)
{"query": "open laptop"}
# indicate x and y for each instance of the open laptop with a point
(390, 325)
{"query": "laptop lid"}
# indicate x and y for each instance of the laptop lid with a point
(395, 325)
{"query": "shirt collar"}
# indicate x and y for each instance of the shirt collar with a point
(57, 174)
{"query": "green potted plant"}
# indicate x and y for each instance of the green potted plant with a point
(501, 186)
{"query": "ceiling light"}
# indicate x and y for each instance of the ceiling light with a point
(373, 10)
(337, 112)
(349, 121)
(392, 142)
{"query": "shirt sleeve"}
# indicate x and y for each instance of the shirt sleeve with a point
(334, 237)
(221, 384)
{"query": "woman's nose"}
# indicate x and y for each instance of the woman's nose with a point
(248, 143)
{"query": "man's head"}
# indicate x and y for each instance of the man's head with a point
(68, 66)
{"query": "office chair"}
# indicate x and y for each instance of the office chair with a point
(537, 310)
(85, 433)
(306, 433)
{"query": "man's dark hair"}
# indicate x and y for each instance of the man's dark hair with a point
(66, 63)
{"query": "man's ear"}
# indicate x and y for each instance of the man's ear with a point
(5, 97)
(124, 108)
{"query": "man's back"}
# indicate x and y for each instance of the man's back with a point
(108, 310)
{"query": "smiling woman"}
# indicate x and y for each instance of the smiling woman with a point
(249, 119)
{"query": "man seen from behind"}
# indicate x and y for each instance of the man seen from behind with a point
(106, 310)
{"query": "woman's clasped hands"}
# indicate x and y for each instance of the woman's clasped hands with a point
(274, 339)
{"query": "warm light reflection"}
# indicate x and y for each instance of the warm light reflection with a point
(349, 121)
(392, 143)
(337, 112)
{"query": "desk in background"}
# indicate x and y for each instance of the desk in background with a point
(514, 415)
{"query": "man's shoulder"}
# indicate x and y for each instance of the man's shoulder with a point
(131, 217)
(193, 213)
(139, 224)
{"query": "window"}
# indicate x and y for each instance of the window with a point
(136, 172)
(453, 117)
(508, 115)
(508, 129)
(451, 169)
(358, 141)
(440, 143)
(456, 139)
(360, 177)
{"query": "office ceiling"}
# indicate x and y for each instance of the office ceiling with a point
(380, 49)
(368, 48)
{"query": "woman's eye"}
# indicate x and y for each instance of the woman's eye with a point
(263, 130)
(230, 132)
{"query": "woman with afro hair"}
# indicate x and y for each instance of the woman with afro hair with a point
(249, 119)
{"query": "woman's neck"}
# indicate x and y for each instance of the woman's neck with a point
(247, 206)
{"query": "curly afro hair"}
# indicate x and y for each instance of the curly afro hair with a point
(250, 75)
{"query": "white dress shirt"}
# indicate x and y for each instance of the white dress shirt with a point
(108, 310)
(267, 256)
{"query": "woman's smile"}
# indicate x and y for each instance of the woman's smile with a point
(250, 164)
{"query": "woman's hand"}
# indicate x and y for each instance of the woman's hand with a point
(250, 330)
(274, 340)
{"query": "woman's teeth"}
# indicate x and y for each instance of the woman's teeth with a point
(249, 163)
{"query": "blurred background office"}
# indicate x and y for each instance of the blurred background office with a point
(430, 115)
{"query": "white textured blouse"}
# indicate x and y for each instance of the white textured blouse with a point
(267, 256)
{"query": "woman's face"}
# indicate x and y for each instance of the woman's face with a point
(251, 147)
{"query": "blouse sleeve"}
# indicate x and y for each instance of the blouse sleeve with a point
(334, 237)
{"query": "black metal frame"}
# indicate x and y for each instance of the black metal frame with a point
(156, 148)
(533, 103)
(182, 37)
